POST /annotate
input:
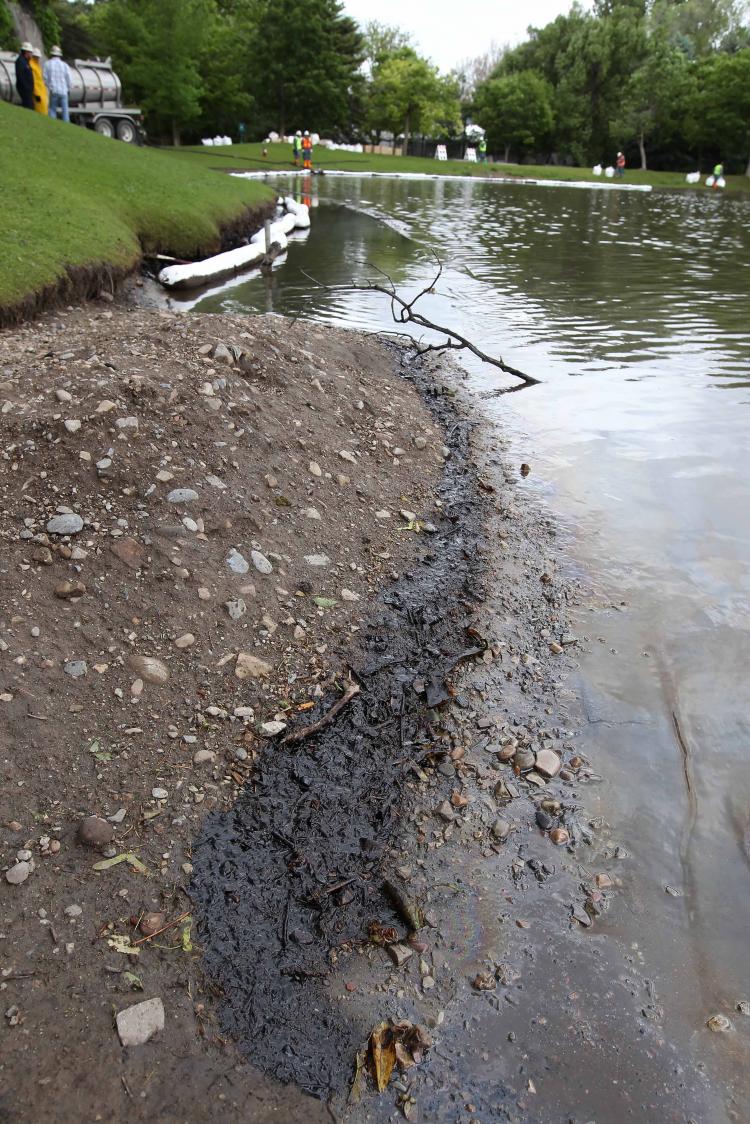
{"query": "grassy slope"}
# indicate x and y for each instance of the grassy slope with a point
(248, 156)
(71, 198)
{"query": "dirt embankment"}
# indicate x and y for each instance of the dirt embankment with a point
(195, 512)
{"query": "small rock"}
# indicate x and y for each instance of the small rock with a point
(129, 551)
(236, 562)
(559, 836)
(72, 424)
(105, 406)
(261, 563)
(717, 1023)
(150, 668)
(95, 832)
(500, 830)
(69, 524)
(73, 911)
(249, 666)
(63, 395)
(271, 729)
(137, 1024)
(743, 1007)
(525, 469)
(555, 648)
(203, 757)
(524, 759)
(159, 793)
(544, 821)
(548, 763)
(484, 981)
(317, 560)
(445, 811)
(185, 641)
(349, 595)
(347, 456)
(222, 354)
(420, 442)
(130, 422)
(75, 668)
(216, 482)
(151, 922)
(399, 954)
(311, 513)
(67, 590)
(236, 608)
(18, 873)
(182, 495)
(315, 468)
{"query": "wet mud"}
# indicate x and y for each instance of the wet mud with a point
(295, 873)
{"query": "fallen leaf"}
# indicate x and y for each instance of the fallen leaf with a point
(383, 1051)
(125, 857)
(325, 602)
(123, 944)
(187, 944)
(133, 980)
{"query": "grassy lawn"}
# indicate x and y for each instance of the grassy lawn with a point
(71, 198)
(248, 157)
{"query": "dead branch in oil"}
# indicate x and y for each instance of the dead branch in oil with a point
(403, 312)
(306, 731)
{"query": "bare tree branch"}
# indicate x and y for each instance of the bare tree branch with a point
(403, 312)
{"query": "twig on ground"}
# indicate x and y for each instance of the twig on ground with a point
(169, 925)
(306, 731)
(403, 312)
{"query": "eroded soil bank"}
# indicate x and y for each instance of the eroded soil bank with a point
(222, 497)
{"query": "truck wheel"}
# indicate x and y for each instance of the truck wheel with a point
(104, 127)
(126, 131)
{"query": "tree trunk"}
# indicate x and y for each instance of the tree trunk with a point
(175, 133)
(642, 147)
(507, 154)
(405, 149)
(747, 169)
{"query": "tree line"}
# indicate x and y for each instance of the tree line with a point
(666, 81)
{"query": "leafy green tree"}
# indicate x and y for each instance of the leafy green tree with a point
(382, 41)
(76, 33)
(157, 48)
(306, 60)
(516, 111)
(409, 96)
(721, 108)
(697, 27)
(656, 98)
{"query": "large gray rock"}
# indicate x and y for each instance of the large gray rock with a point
(137, 1024)
(65, 524)
(182, 495)
(261, 563)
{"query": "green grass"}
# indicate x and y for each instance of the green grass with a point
(71, 198)
(248, 157)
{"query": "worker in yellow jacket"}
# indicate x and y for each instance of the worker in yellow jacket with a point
(41, 98)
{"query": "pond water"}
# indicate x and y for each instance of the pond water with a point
(634, 311)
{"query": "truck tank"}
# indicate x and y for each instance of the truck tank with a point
(95, 97)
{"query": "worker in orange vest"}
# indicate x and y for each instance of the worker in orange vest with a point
(307, 151)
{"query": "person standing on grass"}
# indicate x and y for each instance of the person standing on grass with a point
(297, 147)
(620, 164)
(57, 77)
(41, 101)
(483, 150)
(25, 76)
(307, 151)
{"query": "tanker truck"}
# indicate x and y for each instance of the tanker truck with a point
(95, 98)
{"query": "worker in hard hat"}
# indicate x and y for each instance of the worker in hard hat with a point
(57, 77)
(41, 101)
(297, 148)
(25, 76)
(307, 151)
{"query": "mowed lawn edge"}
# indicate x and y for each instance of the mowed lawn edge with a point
(78, 209)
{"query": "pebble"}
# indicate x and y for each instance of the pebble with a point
(317, 560)
(500, 830)
(93, 831)
(151, 922)
(182, 495)
(236, 609)
(222, 354)
(347, 456)
(73, 911)
(315, 468)
(349, 595)
(130, 422)
(548, 763)
(544, 821)
(18, 873)
(164, 476)
(67, 590)
(559, 835)
(185, 641)
(137, 1024)
(312, 513)
(129, 551)
(105, 406)
(555, 648)
(261, 563)
(159, 793)
(72, 424)
(63, 395)
(75, 668)
(237, 562)
(216, 482)
(717, 1023)
(203, 756)
(420, 442)
(249, 666)
(271, 729)
(69, 524)
(399, 954)
(150, 668)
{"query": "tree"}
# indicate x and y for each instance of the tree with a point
(721, 108)
(408, 95)
(656, 97)
(516, 110)
(696, 26)
(306, 58)
(382, 41)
